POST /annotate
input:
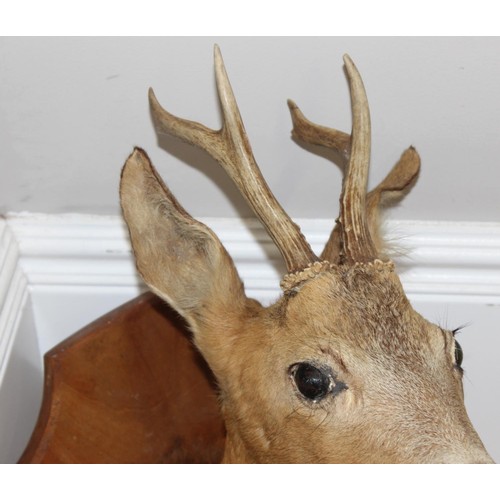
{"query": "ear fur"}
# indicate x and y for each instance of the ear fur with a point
(392, 189)
(179, 258)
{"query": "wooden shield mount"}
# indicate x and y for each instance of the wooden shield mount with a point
(128, 388)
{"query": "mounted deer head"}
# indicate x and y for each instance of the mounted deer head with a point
(341, 368)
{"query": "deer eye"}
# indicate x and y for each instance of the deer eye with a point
(459, 354)
(312, 382)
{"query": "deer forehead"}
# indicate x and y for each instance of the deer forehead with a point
(357, 314)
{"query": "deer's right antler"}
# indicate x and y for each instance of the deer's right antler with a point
(230, 147)
(354, 238)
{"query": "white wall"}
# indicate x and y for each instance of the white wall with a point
(21, 388)
(71, 109)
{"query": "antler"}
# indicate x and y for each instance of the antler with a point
(230, 147)
(351, 238)
(357, 242)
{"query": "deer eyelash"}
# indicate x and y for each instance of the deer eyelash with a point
(459, 329)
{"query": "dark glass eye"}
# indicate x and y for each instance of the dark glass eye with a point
(313, 383)
(459, 354)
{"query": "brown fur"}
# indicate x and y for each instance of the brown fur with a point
(404, 401)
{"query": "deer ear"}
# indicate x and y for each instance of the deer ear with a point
(179, 258)
(391, 190)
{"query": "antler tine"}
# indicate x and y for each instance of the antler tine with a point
(358, 245)
(230, 147)
(312, 133)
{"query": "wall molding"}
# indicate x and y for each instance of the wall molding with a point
(13, 293)
(452, 261)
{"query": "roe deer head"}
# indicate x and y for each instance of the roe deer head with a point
(340, 368)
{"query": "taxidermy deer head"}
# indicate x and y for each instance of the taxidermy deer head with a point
(340, 368)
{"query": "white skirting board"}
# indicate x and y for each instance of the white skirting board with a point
(59, 272)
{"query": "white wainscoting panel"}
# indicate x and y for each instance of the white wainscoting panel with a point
(59, 272)
(20, 360)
